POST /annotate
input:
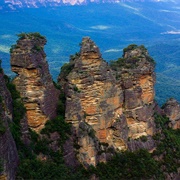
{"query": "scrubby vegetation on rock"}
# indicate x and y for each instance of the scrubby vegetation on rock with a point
(101, 112)
(30, 36)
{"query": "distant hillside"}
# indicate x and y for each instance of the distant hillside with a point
(112, 26)
(16, 4)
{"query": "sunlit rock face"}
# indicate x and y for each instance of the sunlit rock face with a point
(33, 79)
(138, 79)
(8, 151)
(108, 105)
(172, 111)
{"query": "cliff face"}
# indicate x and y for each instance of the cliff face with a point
(33, 79)
(111, 106)
(8, 151)
(108, 105)
(172, 111)
(135, 74)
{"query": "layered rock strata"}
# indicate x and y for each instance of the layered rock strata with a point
(108, 105)
(33, 79)
(172, 110)
(8, 151)
(135, 74)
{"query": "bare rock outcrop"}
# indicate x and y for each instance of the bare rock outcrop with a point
(172, 111)
(135, 74)
(8, 151)
(92, 97)
(109, 105)
(33, 79)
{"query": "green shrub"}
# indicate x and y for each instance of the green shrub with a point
(46, 170)
(37, 48)
(75, 88)
(34, 136)
(129, 165)
(12, 88)
(142, 47)
(150, 59)
(7, 79)
(57, 86)
(42, 146)
(30, 35)
(75, 56)
(60, 108)
(91, 133)
(59, 125)
(12, 48)
(18, 113)
(2, 127)
(143, 138)
(130, 47)
(161, 121)
(168, 148)
(124, 63)
(18, 110)
(61, 104)
(66, 69)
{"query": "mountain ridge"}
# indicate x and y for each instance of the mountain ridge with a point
(16, 4)
(112, 26)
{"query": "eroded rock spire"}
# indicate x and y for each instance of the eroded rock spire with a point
(110, 107)
(33, 80)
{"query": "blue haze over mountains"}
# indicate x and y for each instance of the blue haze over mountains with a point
(113, 26)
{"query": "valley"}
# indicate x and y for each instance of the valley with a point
(111, 26)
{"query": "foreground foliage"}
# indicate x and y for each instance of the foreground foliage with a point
(129, 165)
(168, 149)
(141, 164)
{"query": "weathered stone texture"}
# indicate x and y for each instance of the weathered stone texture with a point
(172, 111)
(138, 79)
(8, 150)
(115, 105)
(34, 81)
(148, 144)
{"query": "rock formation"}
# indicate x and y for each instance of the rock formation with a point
(108, 105)
(172, 111)
(111, 106)
(33, 79)
(135, 74)
(8, 150)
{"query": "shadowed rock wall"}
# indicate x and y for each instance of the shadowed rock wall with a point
(8, 151)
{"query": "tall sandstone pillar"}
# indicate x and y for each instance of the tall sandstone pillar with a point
(110, 106)
(33, 80)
